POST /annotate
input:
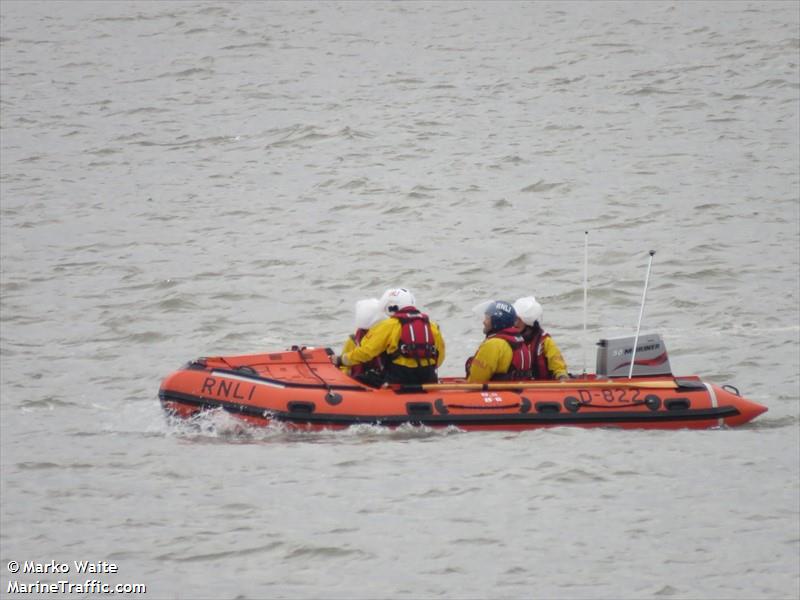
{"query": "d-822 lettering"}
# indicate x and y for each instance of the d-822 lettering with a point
(610, 396)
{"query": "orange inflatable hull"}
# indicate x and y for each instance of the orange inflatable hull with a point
(302, 389)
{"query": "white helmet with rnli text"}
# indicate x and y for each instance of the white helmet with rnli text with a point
(529, 310)
(368, 312)
(396, 298)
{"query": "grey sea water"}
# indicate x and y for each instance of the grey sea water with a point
(181, 179)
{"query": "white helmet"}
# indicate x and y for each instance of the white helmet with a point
(529, 310)
(395, 299)
(368, 312)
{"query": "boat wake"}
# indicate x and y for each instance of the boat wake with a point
(220, 425)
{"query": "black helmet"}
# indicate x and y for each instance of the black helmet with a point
(502, 315)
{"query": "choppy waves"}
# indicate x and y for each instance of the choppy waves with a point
(181, 179)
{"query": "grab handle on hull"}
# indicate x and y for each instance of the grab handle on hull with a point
(302, 408)
(677, 404)
(419, 409)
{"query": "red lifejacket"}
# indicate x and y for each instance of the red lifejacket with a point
(521, 361)
(416, 336)
(536, 346)
(376, 364)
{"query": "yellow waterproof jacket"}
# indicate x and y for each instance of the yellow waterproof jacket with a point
(555, 360)
(349, 345)
(494, 356)
(385, 337)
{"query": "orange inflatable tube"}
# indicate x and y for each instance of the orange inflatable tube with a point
(302, 389)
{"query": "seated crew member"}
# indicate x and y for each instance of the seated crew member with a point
(503, 355)
(410, 344)
(548, 362)
(367, 313)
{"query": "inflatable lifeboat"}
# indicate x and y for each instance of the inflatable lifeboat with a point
(301, 388)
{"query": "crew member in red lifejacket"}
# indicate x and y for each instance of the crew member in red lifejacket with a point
(410, 344)
(503, 354)
(548, 362)
(367, 313)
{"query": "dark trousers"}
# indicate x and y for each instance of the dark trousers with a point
(410, 375)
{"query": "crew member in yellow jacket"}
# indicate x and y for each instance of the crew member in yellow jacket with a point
(503, 354)
(548, 362)
(411, 345)
(368, 312)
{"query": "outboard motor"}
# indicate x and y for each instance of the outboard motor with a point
(614, 356)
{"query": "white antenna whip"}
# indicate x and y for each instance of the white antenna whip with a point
(641, 313)
(585, 291)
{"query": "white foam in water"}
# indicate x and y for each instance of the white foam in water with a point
(218, 423)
